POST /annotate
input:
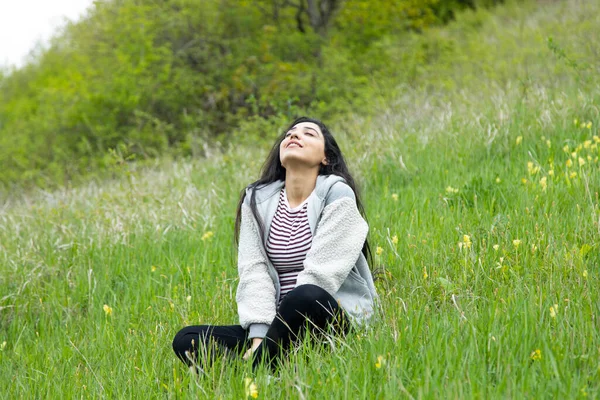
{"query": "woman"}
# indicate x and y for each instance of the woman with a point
(302, 253)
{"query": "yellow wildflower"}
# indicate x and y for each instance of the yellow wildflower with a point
(566, 148)
(496, 247)
(581, 162)
(524, 181)
(467, 241)
(575, 122)
(582, 125)
(569, 163)
(553, 311)
(395, 196)
(551, 172)
(153, 268)
(395, 239)
(207, 235)
(543, 183)
(379, 362)
(585, 273)
(573, 175)
(379, 250)
(596, 138)
(107, 310)
(587, 144)
(451, 190)
(188, 299)
(519, 140)
(548, 143)
(589, 125)
(425, 275)
(536, 355)
(516, 242)
(250, 388)
(498, 179)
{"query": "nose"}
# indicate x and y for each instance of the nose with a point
(294, 135)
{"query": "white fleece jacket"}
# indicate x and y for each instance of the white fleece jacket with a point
(334, 262)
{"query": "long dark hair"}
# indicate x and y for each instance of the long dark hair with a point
(273, 171)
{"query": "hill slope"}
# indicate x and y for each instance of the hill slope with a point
(481, 184)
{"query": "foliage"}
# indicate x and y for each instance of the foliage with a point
(157, 77)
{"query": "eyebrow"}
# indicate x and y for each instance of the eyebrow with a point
(307, 127)
(313, 129)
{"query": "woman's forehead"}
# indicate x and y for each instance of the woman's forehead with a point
(307, 125)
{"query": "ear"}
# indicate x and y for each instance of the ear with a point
(325, 161)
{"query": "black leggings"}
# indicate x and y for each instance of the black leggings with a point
(305, 306)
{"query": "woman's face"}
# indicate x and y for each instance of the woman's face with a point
(303, 144)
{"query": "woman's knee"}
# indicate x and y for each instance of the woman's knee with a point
(306, 294)
(187, 339)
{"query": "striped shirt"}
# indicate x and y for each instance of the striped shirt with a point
(289, 241)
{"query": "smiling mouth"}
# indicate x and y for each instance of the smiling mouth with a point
(293, 144)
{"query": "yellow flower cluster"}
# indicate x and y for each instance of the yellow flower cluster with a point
(583, 124)
(107, 310)
(250, 388)
(579, 156)
(544, 183)
(207, 235)
(536, 355)
(465, 243)
(380, 362)
(532, 169)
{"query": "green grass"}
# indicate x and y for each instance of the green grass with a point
(455, 322)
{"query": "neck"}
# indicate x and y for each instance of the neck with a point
(299, 184)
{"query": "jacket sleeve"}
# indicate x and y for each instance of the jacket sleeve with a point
(256, 296)
(340, 236)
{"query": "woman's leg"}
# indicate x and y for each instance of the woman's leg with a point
(305, 306)
(197, 345)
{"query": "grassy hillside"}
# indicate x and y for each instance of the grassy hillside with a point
(481, 183)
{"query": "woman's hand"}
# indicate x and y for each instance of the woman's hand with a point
(255, 343)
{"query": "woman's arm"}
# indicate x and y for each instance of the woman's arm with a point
(256, 291)
(340, 236)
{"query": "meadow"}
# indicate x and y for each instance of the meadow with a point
(481, 182)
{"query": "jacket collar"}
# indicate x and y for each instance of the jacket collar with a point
(324, 183)
(266, 200)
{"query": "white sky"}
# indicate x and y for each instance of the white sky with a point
(25, 22)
